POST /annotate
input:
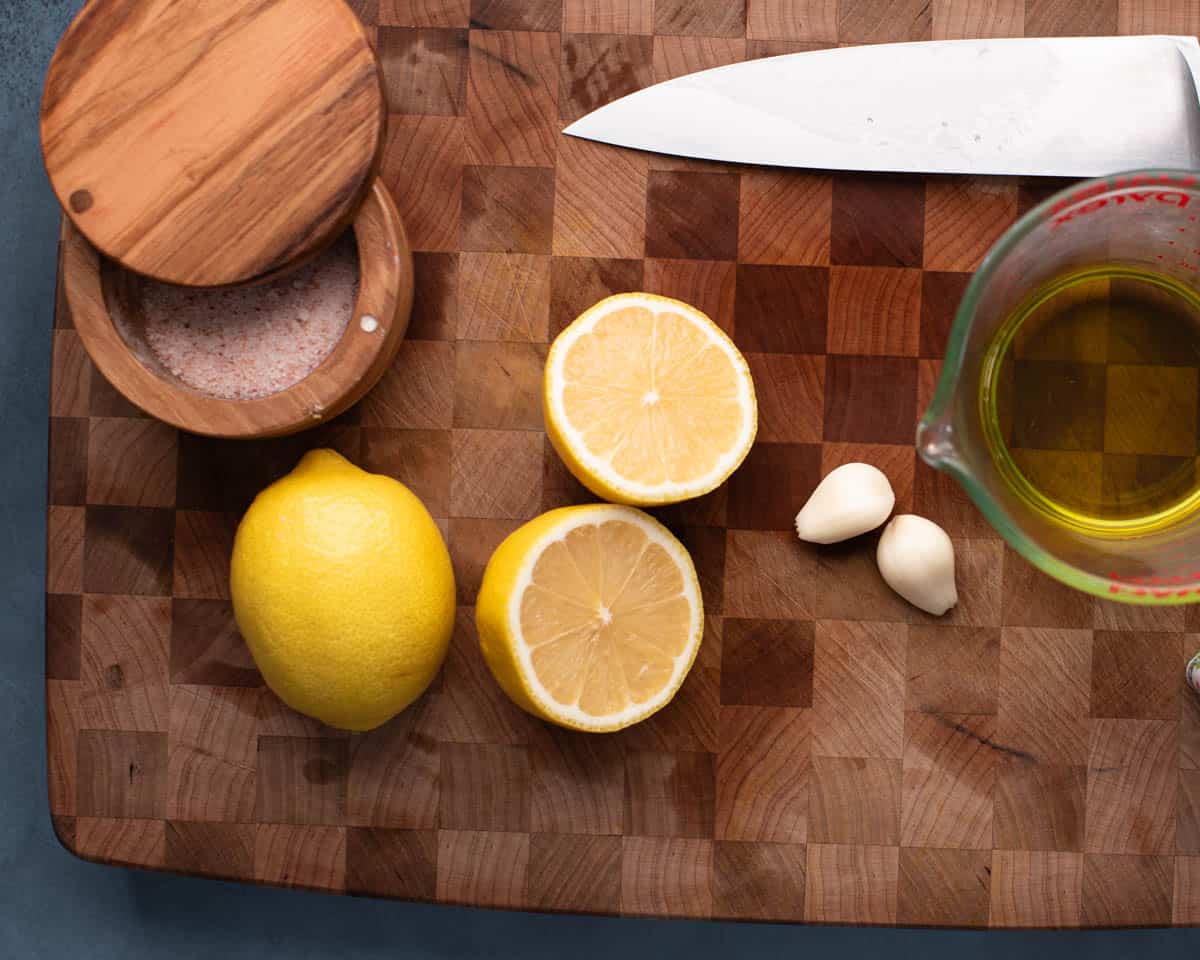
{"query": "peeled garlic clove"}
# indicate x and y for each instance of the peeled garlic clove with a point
(852, 499)
(916, 559)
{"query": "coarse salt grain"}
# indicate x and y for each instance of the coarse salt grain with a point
(244, 343)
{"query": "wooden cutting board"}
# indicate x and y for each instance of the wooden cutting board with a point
(1033, 759)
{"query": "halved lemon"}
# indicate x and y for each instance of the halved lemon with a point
(647, 400)
(590, 617)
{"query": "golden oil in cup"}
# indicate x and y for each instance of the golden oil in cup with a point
(1090, 398)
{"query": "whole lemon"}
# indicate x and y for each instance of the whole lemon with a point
(343, 591)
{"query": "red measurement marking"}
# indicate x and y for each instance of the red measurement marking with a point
(1174, 198)
(1134, 585)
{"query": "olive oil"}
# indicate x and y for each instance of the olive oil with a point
(1090, 400)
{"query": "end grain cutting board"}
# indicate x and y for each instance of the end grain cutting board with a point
(1033, 759)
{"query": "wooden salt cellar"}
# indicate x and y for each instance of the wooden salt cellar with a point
(214, 144)
(211, 143)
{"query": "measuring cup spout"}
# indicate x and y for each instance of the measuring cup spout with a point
(935, 441)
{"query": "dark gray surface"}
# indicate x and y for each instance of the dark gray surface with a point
(52, 905)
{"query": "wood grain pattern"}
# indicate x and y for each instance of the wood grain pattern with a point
(963, 218)
(1155, 16)
(607, 16)
(1132, 782)
(123, 664)
(62, 739)
(691, 725)
(487, 869)
(1044, 694)
(666, 876)
(854, 800)
(874, 310)
(300, 780)
(64, 550)
(397, 863)
(512, 98)
(566, 870)
(211, 762)
(120, 840)
(135, 180)
(224, 850)
(968, 19)
(669, 794)
(859, 712)
(1187, 891)
(1187, 839)
(788, 593)
(763, 775)
(790, 390)
(784, 219)
(767, 663)
(577, 783)
(851, 884)
(759, 881)
(800, 327)
(486, 787)
(792, 20)
(206, 647)
(944, 888)
(1053, 18)
(1036, 889)
(498, 385)
(708, 285)
(64, 616)
(394, 778)
(1131, 675)
(1127, 891)
(949, 773)
(869, 399)
(423, 170)
(835, 755)
(599, 69)
(203, 543)
(417, 391)
(95, 289)
(121, 774)
(300, 856)
(850, 587)
(134, 463)
(424, 70)
(1038, 806)
(952, 670)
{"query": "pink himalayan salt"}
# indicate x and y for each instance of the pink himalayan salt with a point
(243, 343)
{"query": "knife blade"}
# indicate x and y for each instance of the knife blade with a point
(1063, 106)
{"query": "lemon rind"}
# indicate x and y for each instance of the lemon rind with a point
(643, 493)
(571, 715)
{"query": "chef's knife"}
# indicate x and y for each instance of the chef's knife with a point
(1065, 106)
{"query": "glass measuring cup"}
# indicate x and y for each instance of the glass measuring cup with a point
(1146, 220)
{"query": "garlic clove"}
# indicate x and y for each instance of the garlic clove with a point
(916, 559)
(852, 499)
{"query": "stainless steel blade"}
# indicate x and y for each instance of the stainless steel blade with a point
(1067, 106)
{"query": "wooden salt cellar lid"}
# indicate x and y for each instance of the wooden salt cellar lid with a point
(208, 143)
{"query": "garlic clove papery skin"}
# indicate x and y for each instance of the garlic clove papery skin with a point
(916, 559)
(852, 499)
